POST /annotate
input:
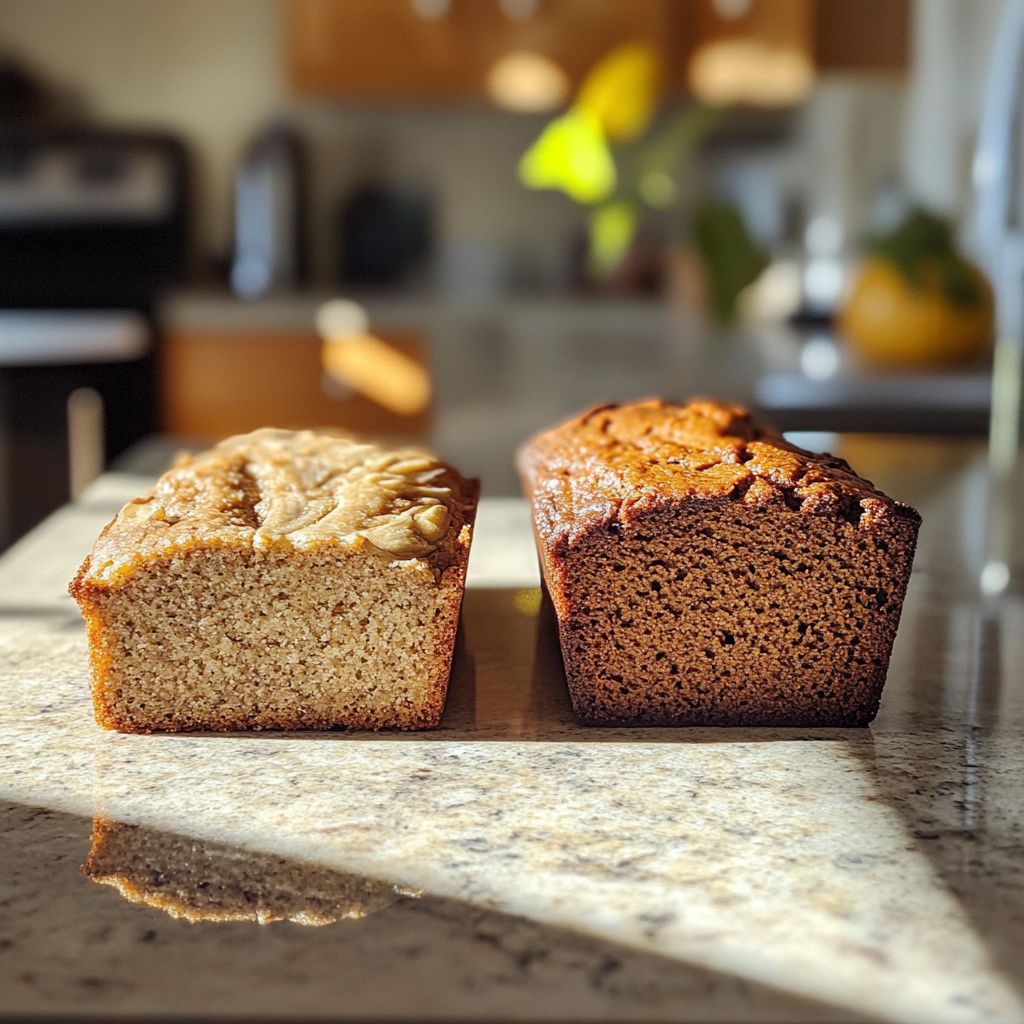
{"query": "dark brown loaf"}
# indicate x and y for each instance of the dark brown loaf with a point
(706, 572)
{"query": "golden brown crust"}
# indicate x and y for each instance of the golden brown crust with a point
(285, 489)
(613, 462)
(705, 571)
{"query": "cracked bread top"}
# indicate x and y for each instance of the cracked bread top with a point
(281, 490)
(616, 462)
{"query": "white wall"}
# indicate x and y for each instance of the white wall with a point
(467, 156)
(951, 47)
(863, 133)
(851, 145)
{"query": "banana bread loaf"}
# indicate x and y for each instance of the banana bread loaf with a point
(706, 572)
(282, 580)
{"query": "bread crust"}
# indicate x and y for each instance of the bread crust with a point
(193, 623)
(704, 571)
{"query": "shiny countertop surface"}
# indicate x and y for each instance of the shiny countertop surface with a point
(513, 865)
(506, 366)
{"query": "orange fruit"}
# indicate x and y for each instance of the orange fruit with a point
(886, 318)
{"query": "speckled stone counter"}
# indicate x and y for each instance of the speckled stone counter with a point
(513, 865)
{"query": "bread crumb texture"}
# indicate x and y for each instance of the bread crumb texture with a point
(282, 580)
(706, 572)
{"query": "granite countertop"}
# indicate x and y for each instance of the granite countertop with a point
(513, 865)
(545, 355)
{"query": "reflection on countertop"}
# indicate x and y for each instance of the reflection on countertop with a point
(72, 948)
(640, 874)
(200, 880)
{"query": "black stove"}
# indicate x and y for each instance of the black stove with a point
(93, 226)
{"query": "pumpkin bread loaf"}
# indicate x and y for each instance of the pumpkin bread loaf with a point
(706, 572)
(282, 580)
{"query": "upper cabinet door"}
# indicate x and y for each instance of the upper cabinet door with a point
(372, 48)
(386, 49)
(865, 35)
(443, 49)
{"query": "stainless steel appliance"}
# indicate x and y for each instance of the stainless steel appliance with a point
(999, 237)
(92, 227)
(269, 210)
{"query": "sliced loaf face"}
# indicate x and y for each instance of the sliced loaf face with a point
(283, 580)
(706, 572)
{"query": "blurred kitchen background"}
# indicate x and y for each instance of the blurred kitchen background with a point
(461, 220)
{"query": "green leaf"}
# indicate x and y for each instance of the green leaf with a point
(732, 258)
(922, 245)
(680, 137)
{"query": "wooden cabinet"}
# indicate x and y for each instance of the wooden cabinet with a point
(867, 35)
(218, 381)
(383, 49)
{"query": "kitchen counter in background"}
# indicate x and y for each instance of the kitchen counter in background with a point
(505, 367)
(522, 867)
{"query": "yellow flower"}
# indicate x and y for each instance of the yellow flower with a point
(572, 155)
(612, 227)
(621, 90)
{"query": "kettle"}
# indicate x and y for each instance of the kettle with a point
(269, 214)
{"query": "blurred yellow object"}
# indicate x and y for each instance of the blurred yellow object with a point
(621, 91)
(528, 600)
(887, 318)
(527, 82)
(341, 318)
(750, 71)
(612, 227)
(755, 52)
(658, 189)
(572, 155)
(380, 372)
